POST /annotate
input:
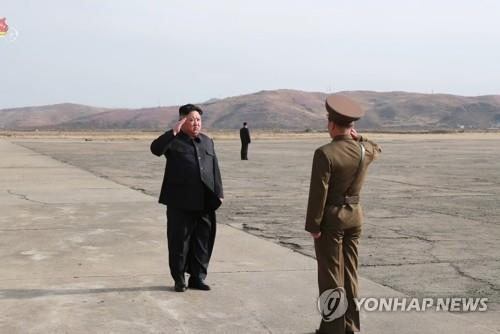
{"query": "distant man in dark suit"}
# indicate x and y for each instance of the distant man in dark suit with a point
(245, 140)
(192, 191)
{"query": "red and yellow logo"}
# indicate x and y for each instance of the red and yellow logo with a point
(3, 27)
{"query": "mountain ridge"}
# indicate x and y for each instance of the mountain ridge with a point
(283, 109)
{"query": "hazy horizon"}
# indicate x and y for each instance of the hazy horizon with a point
(122, 54)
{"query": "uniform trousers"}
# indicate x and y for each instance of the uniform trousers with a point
(190, 237)
(337, 257)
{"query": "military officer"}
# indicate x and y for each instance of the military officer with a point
(334, 214)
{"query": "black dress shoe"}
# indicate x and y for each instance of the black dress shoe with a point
(180, 287)
(198, 285)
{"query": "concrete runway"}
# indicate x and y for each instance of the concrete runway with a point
(87, 254)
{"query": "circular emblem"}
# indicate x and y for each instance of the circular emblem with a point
(332, 304)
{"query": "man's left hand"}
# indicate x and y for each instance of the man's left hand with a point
(316, 235)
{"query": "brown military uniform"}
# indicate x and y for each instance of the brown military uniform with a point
(334, 210)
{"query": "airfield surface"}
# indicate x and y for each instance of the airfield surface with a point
(431, 205)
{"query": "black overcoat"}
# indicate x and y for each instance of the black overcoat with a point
(192, 179)
(245, 136)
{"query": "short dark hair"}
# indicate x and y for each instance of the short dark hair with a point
(244, 123)
(340, 122)
(187, 108)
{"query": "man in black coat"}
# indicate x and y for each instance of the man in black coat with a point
(245, 140)
(192, 191)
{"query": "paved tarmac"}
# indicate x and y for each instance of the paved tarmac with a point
(82, 254)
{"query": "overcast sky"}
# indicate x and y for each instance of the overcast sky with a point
(123, 53)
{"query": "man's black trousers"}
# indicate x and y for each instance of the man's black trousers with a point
(244, 151)
(191, 237)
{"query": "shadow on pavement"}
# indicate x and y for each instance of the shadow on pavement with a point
(35, 293)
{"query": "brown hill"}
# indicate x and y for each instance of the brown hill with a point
(401, 111)
(147, 118)
(278, 109)
(42, 116)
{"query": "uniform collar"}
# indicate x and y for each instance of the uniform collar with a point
(342, 137)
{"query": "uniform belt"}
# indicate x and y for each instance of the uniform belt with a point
(343, 200)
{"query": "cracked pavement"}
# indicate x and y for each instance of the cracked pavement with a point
(431, 205)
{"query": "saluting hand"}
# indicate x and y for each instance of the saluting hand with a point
(354, 133)
(178, 126)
